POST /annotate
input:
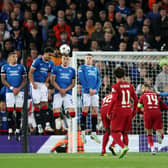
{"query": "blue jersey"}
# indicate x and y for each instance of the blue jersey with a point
(42, 68)
(64, 77)
(89, 78)
(14, 74)
(3, 93)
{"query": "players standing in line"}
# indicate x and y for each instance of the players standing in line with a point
(90, 80)
(120, 111)
(150, 104)
(106, 123)
(63, 80)
(14, 77)
(39, 76)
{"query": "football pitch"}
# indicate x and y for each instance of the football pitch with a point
(84, 160)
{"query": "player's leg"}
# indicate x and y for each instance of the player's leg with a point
(106, 125)
(150, 140)
(160, 136)
(36, 96)
(105, 141)
(3, 115)
(44, 108)
(57, 103)
(10, 101)
(117, 124)
(86, 100)
(158, 126)
(19, 100)
(69, 105)
(94, 113)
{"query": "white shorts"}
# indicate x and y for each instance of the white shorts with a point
(90, 100)
(40, 94)
(12, 100)
(66, 101)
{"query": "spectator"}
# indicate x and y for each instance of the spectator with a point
(107, 44)
(61, 26)
(121, 7)
(161, 81)
(98, 34)
(89, 27)
(6, 34)
(47, 12)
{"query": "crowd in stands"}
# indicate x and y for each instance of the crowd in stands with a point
(29, 26)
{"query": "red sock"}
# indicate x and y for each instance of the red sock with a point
(105, 140)
(117, 138)
(162, 135)
(150, 140)
(125, 139)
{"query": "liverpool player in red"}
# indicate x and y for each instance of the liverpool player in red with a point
(106, 123)
(120, 110)
(150, 105)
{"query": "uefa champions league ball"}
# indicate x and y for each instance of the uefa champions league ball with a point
(65, 49)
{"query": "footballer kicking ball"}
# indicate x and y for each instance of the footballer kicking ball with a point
(65, 49)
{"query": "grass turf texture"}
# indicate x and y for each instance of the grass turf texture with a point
(85, 160)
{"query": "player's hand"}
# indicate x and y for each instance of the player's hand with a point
(62, 92)
(141, 116)
(47, 84)
(16, 91)
(34, 86)
(108, 116)
(91, 92)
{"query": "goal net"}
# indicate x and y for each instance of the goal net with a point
(140, 67)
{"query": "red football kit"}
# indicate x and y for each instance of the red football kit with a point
(103, 110)
(120, 106)
(152, 104)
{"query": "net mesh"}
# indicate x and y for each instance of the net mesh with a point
(140, 67)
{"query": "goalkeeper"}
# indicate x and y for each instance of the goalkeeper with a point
(62, 145)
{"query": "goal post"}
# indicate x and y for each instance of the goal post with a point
(140, 67)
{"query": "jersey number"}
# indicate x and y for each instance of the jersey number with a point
(107, 99)
(125, 95)
(152, 98)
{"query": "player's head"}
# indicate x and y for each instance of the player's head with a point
(145, 87)
(12, 58)
(65, 60)
(89, 59)
(119, 72)
(48, 52)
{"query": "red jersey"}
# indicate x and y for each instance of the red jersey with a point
(122, 94)
(151, 103)
(105, 104)
(104, 108)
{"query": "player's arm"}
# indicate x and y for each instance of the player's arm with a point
(82, 77)
(135, 103)
(3, 78)
(98, 84)
(4, 81)
(140, 106)
(54, 83)
(71, 85)
(31, 71)
(162, 105)
(113, 100)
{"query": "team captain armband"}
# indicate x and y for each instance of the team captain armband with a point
(140, 105)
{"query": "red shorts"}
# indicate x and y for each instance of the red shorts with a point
(105, 120)
(153, 120)
(121, 122)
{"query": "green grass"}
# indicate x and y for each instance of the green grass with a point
(85, 160)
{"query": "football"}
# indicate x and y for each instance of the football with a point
(65, 49)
